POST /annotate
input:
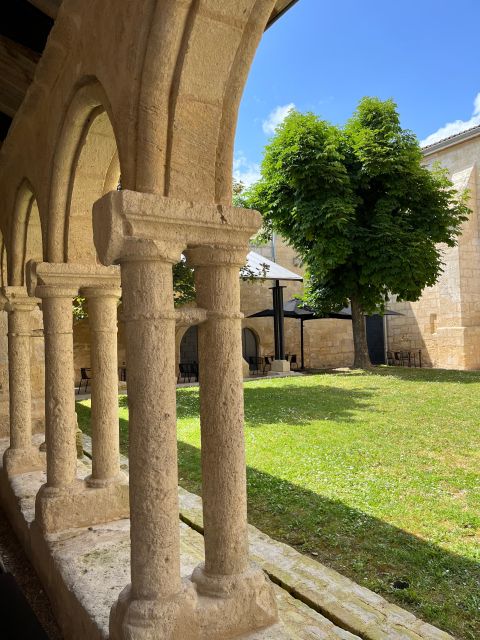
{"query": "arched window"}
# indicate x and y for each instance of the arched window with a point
(249, 344)
(189, 346)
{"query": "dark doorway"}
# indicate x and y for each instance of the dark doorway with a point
(376, 339)
(189, 346)
(249, 344)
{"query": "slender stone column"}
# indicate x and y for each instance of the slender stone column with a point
(145, 234)
(21, 456)
(102, 315)
(59, 396)
(221, 417)
(147, 286)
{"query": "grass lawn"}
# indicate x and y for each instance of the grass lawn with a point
(374, 474)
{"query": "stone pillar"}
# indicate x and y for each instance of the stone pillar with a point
(227, 569)
(145, 234)
(66, 501)
(21, 456)
(221, 412)
(59, 392)
(102, 316)
(154, 599)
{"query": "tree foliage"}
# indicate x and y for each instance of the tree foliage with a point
(359, 207)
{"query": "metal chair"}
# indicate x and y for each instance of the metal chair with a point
(187, 371)
(268, 363)
(85, 378)
(293, 361)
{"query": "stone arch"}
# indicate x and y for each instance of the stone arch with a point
(197, 61)
(3, 264)
(86, 165)
(249, 334)
(26, 234)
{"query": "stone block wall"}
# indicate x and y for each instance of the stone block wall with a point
(445, 322)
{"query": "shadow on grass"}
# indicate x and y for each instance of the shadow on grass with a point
(442, 587)
(293, 404)
(415, 374)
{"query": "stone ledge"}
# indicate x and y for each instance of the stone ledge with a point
(84, 569)
(341, 600)
(344, 602)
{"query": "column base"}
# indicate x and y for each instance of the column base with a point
(164, 619)
(280, 366)
(17, 461)
(207, 608)
(102, 483)
(79, 505)
(234, 605)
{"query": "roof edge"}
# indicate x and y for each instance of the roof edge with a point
(457, 138)
(285, 5)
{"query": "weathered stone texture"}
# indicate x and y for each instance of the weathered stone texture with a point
(445, 322)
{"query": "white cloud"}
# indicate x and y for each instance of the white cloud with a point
(452, 128)
(275, 117)
(245, 171)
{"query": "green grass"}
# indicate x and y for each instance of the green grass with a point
(374, 474)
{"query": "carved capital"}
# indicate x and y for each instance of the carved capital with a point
(217, 255)
(133, 225)
(65, 279)
(17, 299)
(189, 316)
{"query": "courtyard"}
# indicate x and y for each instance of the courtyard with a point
(372, 474)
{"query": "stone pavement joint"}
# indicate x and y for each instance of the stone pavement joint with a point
(346, 604)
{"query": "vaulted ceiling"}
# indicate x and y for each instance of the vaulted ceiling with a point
(24, 29)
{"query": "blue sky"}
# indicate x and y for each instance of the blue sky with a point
(324, 55)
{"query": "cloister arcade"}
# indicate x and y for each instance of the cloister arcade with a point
(147, 90)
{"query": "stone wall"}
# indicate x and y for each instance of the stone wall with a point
(445, 322)
(328, 343)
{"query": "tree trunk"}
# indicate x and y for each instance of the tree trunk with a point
(361, 359)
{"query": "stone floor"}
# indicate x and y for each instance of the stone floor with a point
(315, 602)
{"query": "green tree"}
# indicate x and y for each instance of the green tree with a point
(359, 207)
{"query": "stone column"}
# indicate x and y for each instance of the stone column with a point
(102, 316)
(153, 599)
(227, 568)
(145, 234)
(21, 456)
(59, 393)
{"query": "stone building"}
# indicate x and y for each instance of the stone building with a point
(445, 322)
(147, 90)
(328, 343)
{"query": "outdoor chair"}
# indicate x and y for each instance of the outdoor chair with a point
(85, 378)
(187, 371)
(257, 365)
(268, 363)
(293, 361)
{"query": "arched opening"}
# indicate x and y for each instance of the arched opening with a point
(95, 171)
(249, 344)
(33, 239)
(86, 166)
(3, 263)
(26, 239)
(189, 346)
